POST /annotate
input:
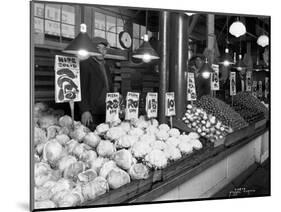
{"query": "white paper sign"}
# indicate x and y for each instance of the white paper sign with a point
(260, 89)
(67, 79)
(248, 81)
(52, 28)
(151, 105)
(112, 107)
(132, 106)
(254, 89)
(191, 90)
(170, 105)
(242, 85)
(215, 82)
(266, 85)
(232, 83)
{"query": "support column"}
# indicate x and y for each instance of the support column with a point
(178, 58)
(164, 65)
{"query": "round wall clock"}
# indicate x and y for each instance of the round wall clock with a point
(125, 39)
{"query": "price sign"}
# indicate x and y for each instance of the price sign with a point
(215, 82)
(249, 81)
(254, 89)
(191, 91)
(260, 89)
(170, 106)
(232, 83)
(266, 85)
(112, 107)
(151, 105)
(242, 85)
(67, 79)
(132, 106)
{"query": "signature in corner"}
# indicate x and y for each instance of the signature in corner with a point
(241, 192)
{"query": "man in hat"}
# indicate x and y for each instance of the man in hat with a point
(96, 81)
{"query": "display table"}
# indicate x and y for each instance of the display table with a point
(199, 175)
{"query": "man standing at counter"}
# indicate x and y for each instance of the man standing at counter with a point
(95, 83)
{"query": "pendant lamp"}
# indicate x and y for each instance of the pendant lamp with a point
(237, 28)
(206, 70)
(263, 40)
(82, 45)
(145, 52)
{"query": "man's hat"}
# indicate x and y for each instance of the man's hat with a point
(100, 40)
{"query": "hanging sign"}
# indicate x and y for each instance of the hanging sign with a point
(254, 89)
(248, 81)
(266, 85)
(170, 106)
(191, 90)
(67, 79)
(242, 85)
(112, 107)
(215, 82)
(132, 106)
(232, 83)
(260, 94)
(151, 105)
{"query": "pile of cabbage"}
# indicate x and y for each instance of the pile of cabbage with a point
(74, 165)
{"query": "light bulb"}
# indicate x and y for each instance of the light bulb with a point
(226, 63)
(83, 54)
(146, 58)
(206, 74)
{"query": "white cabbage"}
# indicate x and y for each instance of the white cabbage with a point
(101, 129)
(87, 176)
(42, 193)
(79, 132)
(66, 161)
(106, 168)
(139, 171)
(62, 139)
(92, 139)
(52, 151)
(39, 136)
(126, 141)
(98, 163)
(105, 148)
(65, 121)
(115, 133)
(73, 170)
(52, 131)
(95, 188)
(123, 159)
(47, 121)
(117, 178)
(44, 204)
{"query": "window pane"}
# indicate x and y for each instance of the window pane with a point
(136, 30)
(68, 14)
(136, 43)
(120, 25)
(99, 21)
(99, 33)
(52, 28)
(67, 31)
(111, 23)
(52, 12)
(111, 38)
(39, 10)
(143, 28)
(38, 25)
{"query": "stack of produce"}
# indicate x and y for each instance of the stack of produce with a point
(204, 124)
(222, 112)
(74, 165)
(249, 107)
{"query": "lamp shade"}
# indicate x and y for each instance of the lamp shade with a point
(226, 59)
(82, 45)
(257, 66)
(240, 65)
(145, 52)
(237, 29)
(263, 40)
(206, 70)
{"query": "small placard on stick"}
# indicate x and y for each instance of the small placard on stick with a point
(132, 105)
(151, 105)
(112, 107)
(191, 89)
(215, 82)
(170, 106)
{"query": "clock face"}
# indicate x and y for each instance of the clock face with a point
(125, 39)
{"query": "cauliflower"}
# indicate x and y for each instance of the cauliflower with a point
(105, 148)
(137, 132)
(126, 141)
(162, 135)
(193, 135)
(152, 130)
(65, 162)
(139, 171)
(184, 138)
(173, 141)
(140, 149)
(157, 159)
(73, 170)
(39, 136)
(173, 132)
(95, 188)
(123, 159)
(115, 133)
(42, 193)
(106, 168)
(185, 147)
(147, 138)
(154, 123)
(65, 121)
(117, 178)
(87, 176)
(98, 163)
(44, 204)
(79, 132)
(125, 126)
(92, 139)
(52, 151)
(62, 139)
(156, 144)
(164, 127)
(101, 129)
(142, 124)
(196, 144)
(47, 121)
(172, 153)
(52, 131)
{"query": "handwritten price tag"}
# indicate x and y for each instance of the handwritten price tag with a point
(170, 106)
(191, 91)
(249, 81)
(151, 105)
(254, 89)
(215, 82)
(132, 106)
(232, 83)
(266, 90)
(112, 107)
(260, 89)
